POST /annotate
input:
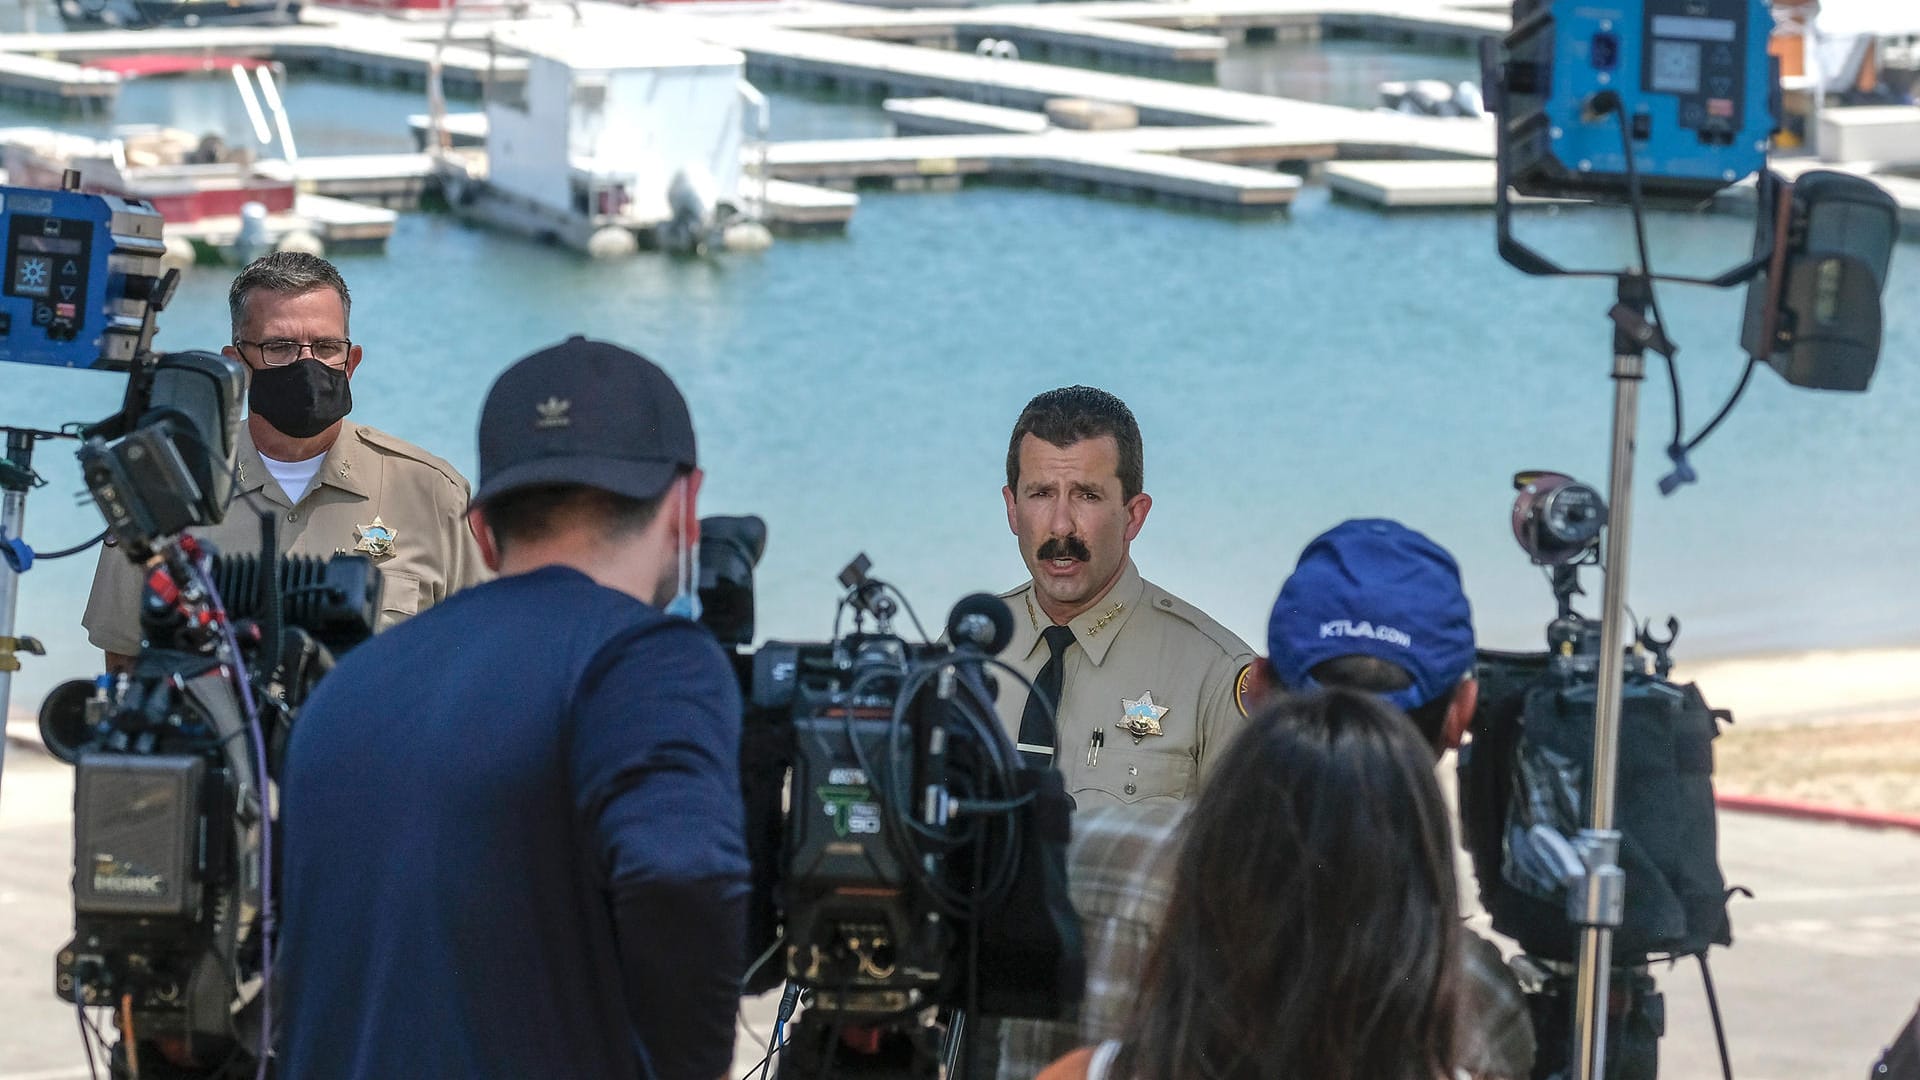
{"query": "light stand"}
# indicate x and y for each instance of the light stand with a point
(1596, 898)
(16, 476)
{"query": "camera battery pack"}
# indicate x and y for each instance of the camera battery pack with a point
(137, 835)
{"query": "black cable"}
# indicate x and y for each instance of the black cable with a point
(908, 606)
(1637, 204)
(41, 556)
(86, 1039)
(1713, 1007)
(1732, 399)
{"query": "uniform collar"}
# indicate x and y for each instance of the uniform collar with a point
(347, 465)
(1094, 628)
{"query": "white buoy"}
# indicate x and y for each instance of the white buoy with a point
(302, 241)
(179, 256)
(611, 242)
(746, 236)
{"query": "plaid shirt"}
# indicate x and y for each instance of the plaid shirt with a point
(1120, 873)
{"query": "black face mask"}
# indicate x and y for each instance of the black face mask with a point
(301, 399)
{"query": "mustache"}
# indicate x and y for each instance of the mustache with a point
(1064, 547)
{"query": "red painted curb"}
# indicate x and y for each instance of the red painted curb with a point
(1872, 819)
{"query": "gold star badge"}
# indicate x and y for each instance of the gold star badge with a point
(1141, 718)
(376, 539)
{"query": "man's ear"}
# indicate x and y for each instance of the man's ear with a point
(1466, 698)
(483, 536)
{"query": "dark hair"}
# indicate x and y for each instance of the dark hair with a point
(1312, 929)
(290, 272)
(1376, 676)
(1066, 416)
(532, 513)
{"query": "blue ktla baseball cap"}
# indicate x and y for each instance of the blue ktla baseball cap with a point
(1373, 587)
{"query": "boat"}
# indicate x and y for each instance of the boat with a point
(1432, 97)
(219, 204)
(148, 14)
(611, 145)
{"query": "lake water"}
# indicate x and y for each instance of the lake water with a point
(1287, 373)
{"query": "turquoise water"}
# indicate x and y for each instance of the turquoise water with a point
(1287, 373)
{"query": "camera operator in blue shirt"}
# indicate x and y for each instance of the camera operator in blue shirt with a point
(512, 826)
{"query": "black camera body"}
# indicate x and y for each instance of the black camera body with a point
(903, 856)
(175, 758)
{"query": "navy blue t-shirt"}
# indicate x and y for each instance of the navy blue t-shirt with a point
(513, 845)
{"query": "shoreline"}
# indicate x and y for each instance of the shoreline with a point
(1792, 688)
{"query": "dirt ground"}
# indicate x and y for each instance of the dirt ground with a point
(1868, 766)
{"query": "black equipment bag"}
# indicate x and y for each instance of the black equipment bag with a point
(1902, 1059)
(1031, 959)
(1527, 772)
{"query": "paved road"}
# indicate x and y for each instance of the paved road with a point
(1825, 967)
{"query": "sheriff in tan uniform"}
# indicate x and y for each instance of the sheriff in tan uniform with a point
(1151, 688)
(374, 494)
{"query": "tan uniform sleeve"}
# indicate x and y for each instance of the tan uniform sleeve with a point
(464, 565)
(1221, 717)
(112, 617)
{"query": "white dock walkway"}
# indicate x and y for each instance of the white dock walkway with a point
(1427, 184)
(803, 208)
(1231, 144)
(391, 180)
(363, 48)
(1411, 21)
(1055, 33)
(1107, 162)
(905, 71)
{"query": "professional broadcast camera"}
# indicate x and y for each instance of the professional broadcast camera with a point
(905, 860)
(1524, 783)
(175, 759)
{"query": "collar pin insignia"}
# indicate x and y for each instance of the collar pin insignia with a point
(553, 413)
(1101, 623)
(1141, 718)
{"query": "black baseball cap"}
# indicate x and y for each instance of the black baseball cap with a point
(584, 412)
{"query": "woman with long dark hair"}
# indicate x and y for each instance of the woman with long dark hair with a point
(1313, 930)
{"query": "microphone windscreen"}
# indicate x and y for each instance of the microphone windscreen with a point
(981, 620)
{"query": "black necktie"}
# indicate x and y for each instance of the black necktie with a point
(1036, 727)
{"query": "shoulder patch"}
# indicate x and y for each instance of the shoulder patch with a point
(399, 447)
(1241, 686)
(1166, 603)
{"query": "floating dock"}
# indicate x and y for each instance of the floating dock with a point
(56, 84)
(342, 226)
(1227, 144)
(397, 181)
(823, 60)
(1424, 184)
(791, 209)
(1091, 161)
(369, 50)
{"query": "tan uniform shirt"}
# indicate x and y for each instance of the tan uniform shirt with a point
(368, 481)
(1141, 653)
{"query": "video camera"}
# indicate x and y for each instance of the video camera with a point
(1524, 786)
(176, 758)
(904, 857)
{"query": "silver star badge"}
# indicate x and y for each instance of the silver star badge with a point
(1141, 718)
(376, 539)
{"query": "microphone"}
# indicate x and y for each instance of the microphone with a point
(981, 621)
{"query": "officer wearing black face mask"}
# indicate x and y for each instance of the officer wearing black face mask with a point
(335, 485)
